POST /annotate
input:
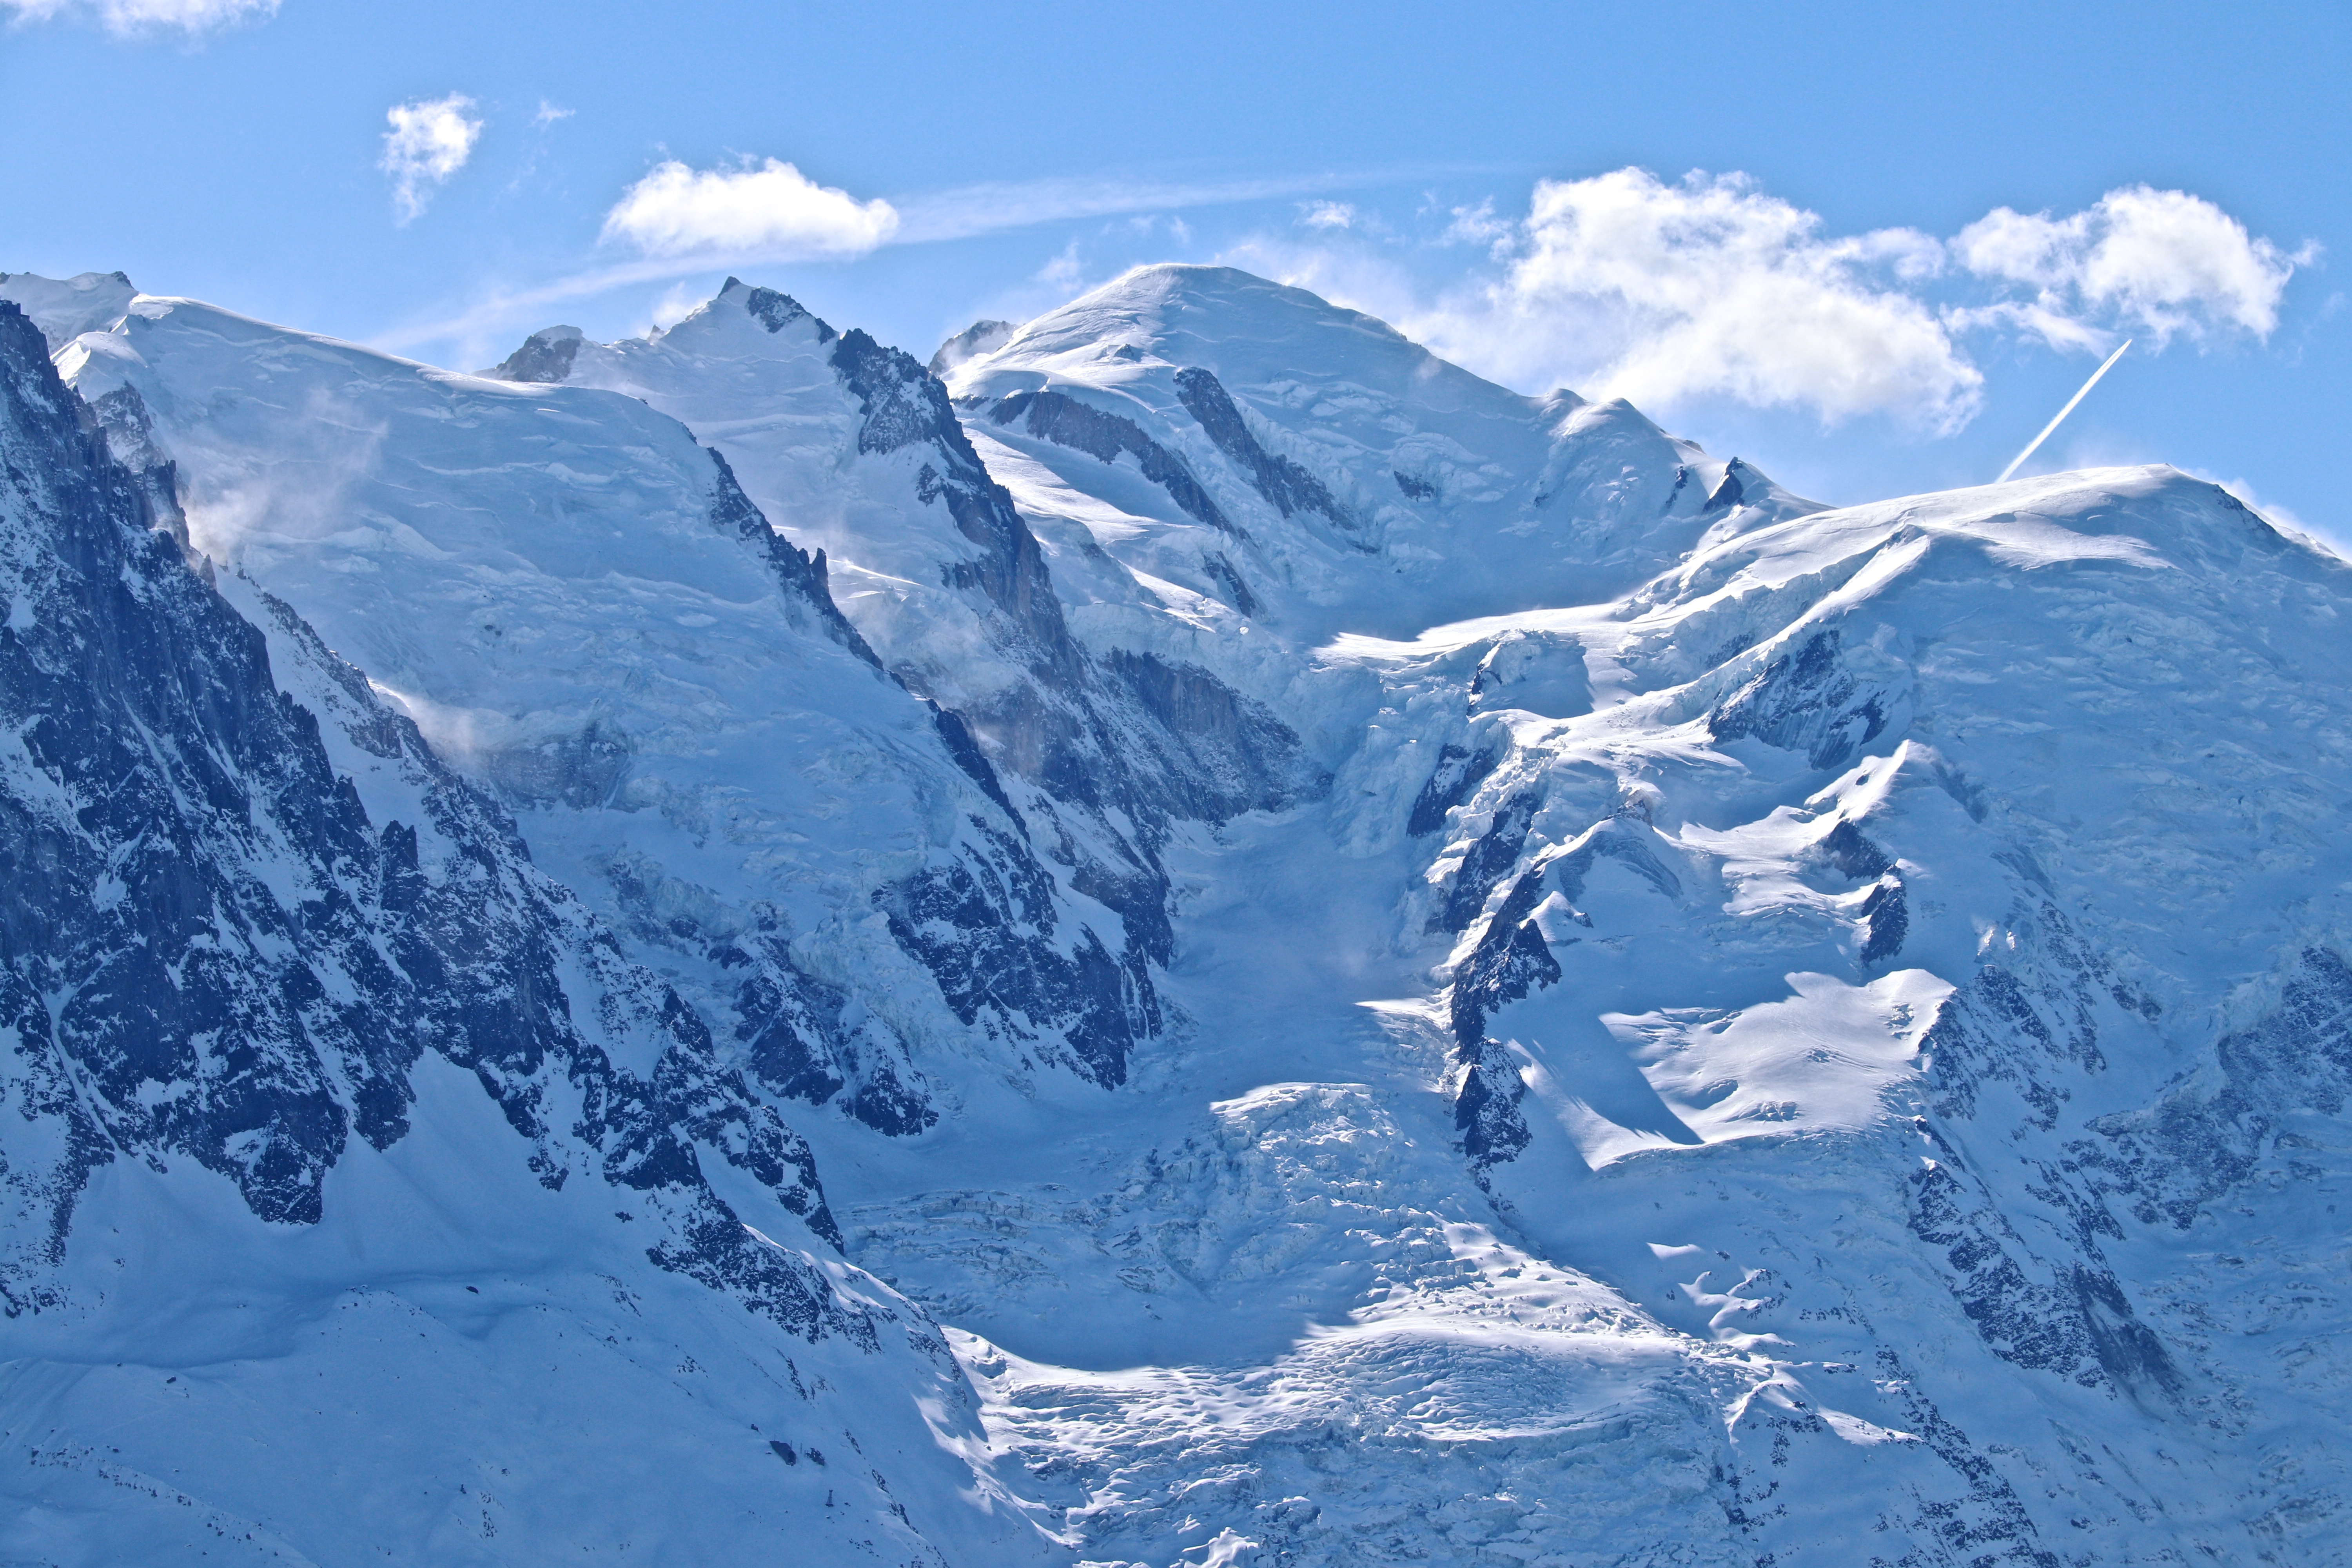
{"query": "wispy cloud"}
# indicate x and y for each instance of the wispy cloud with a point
(998, 206)
(549, 113)
(139, 18)
(1625, 285)
(1066, 273)
(429, 141)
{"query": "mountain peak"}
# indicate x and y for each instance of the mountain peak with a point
(1213, 316)
(770, 308)
(64, 309)
(545, 357)
(982, 337)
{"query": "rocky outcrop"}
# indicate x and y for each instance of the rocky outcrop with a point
(1058, 417)
(1807, 700)
(1289, 488)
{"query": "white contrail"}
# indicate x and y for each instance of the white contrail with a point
(2078, 397)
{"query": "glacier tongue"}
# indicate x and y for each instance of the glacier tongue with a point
(1655, 1022)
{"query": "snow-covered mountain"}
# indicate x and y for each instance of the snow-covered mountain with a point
(332, 1119)
(1209, 942)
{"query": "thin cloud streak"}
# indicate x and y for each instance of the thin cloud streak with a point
(998, 206)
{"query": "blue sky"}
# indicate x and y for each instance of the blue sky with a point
(1914, 234)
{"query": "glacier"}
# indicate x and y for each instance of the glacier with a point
(1187, 936)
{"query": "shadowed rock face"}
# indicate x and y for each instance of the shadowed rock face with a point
(209, 935)
(1459, 772)
(1807, 701)
(1128, 733)
(1067, 422)
(776, 311)
(1290, 487)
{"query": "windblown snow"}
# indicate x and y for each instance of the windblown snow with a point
(1199, 940)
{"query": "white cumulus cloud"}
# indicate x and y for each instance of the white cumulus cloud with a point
(1626, 285)
(1665, 292)
(132, 18)
(430, 139)
(1327, 215)
(2161, 262)
(769, 207)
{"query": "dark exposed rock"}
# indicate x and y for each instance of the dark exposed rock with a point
(1486, 1112)
(1887, 921)
(1728, 494)
(2071, 1318)
(545, 357)
(1490, 859)
(1990, 1524)
(1459, 770)
(1844, 848)
(2018, 1027)
(997, 971)
(2175, 1159)
(1062, 419)
(1510, 960)
(1682, 483)
(776, 311)
(1886, 912)
(1290, 487)
(1223, 573)
(1806, 701)
(1513, 959)
(968, 756)
(130, 432)
(1236, 755)
(801, 574)
(902, 404)
(1119, 746)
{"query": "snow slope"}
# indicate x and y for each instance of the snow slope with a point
(1349, 478)
(1946, 889)
(1929, 908)
(852, 448)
